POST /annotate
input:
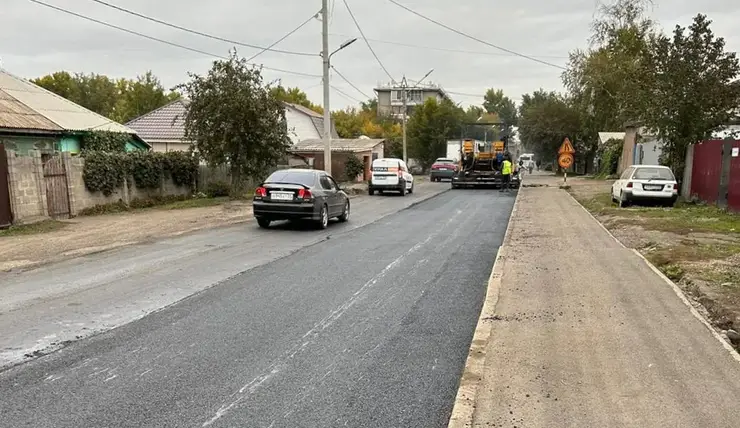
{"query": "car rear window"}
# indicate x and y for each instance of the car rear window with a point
(444, 161)
(306, 178)
(653, 173)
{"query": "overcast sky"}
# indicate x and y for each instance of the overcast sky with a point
(35, 40)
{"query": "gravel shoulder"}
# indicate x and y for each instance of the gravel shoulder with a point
(585, 334)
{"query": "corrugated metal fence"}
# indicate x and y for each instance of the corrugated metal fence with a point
(715, 175)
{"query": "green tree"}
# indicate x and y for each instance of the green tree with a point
(494, 101)
(295, 96)
(545, 119)
(141, 96)
(429, 128)
(695, 90)
(61, 83)
(235, 119)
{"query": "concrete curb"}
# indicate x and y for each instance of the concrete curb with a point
(676, 289)
(472, 375)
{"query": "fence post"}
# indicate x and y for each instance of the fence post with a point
(67, 162)
(38, 174)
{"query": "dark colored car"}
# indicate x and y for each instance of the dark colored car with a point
(300, 194)
(443, 168)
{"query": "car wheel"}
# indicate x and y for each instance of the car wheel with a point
(403, 188)
(370, 191)
(323, 217)
(622, 202)
(411, 190)
(263, 222)
(345, 214)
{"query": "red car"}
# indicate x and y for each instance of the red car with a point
(443, 168)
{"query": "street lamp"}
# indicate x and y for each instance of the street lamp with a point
(326, 59)
(404, 87)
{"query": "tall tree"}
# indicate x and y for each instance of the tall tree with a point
(429, 128)
(545, 119)
(695, 90)
(295, 96)
(235, 119)
(494, 101)
(141, 96)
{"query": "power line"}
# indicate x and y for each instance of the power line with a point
(357, 24)
(475, 38)
(351, 84)
(177, 45)
(310, 18)
(349, 97)
(199, 33)
(408, 45)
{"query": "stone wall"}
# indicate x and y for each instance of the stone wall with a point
(28, 188)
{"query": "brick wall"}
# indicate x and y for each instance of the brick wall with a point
(28, 188)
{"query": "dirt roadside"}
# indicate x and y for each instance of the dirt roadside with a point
(86, 235)
(698, 247)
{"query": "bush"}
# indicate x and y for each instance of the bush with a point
(104, 171)
(353, 167)
(610, 152)
(217, 189)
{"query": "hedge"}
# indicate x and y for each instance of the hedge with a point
(104, 171)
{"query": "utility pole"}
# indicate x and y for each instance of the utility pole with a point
(404, 85)
(325, 59)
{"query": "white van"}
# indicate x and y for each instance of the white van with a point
(390, 174)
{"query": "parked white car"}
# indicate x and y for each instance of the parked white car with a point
(390, 174)
(645, 183)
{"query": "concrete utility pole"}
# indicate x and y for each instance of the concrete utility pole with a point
(325, 60)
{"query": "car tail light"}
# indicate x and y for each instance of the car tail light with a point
(629, 185)
(435, 166)
(400, 174)
(304, 194)
(675, 186)
(260, 192)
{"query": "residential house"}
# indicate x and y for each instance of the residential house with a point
(305, 124)
(364, 148)
(32, 118)
(164, 128)
(390, 98)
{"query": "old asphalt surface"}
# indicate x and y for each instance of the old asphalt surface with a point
(369, 328)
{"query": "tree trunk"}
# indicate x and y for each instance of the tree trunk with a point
(236, 180)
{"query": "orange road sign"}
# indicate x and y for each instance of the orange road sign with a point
(565, 160)
(566, 147)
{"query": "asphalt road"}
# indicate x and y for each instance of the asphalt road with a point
(45, 308)
(369, 328)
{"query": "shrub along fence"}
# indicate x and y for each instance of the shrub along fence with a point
(61, 186)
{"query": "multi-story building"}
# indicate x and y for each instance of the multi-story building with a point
(390, 98)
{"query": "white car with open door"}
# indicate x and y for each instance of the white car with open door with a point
(390, 174)
(646, 183)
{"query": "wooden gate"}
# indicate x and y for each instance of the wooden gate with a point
(57, 191)
(6, 215)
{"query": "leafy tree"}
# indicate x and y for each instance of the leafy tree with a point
(119, 100)
(429, 128)
(694, 88)
(295, 96)
(353, 122)
(494, 101)
(234, 119)
(545, 119)
(353, 167)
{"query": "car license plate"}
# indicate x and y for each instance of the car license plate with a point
(380, 177)
(443, 169)
(281, 196)
(653, 187)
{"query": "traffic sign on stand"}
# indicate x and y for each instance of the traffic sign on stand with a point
(565, 160)
(566, 148)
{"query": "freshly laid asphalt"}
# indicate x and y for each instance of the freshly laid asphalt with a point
(369, 328)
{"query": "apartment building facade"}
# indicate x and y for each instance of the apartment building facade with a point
(390, 98)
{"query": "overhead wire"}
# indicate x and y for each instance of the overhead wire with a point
(531, 58)
(462, 51)
(362, 33)
(310, 18)
(341, 92)
(350, 83)
(200, 33)
(156, 39)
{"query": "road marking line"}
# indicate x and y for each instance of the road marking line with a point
(676, 289)
(472, 375)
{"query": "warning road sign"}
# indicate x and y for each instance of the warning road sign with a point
(566, 147)
(565, 160)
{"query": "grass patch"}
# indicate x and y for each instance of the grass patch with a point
(32, 229)
(683, 218)
(158, 203)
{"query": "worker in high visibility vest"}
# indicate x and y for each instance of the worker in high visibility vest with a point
(506, 170)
